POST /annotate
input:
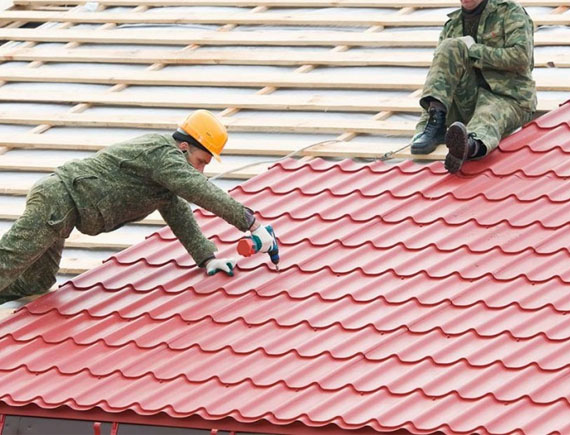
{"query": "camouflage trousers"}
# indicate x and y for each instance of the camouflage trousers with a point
(30, 252)
(453, 81)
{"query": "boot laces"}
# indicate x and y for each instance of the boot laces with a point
(433, 123)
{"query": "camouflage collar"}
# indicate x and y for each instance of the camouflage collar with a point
(491, 6)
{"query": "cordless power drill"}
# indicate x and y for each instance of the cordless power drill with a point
(252, 244)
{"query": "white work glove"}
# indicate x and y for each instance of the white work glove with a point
(264, 237)
(224, 264)
(467, 40)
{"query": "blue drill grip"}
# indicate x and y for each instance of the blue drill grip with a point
(274, 251)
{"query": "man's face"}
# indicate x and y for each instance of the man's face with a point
(196, 157)
(470, 4)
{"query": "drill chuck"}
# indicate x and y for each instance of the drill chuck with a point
(246, 247)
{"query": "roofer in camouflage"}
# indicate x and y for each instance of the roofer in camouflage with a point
(481, 75)
(123, 183)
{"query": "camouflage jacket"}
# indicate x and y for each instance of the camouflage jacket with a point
(127, 181)
(504, 50)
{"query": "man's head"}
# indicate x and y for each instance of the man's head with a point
(202, 136)
(469, 5)
(197, 157)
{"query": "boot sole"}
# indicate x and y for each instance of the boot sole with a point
(456, 143)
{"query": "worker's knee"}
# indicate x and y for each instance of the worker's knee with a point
(454, 49)
(26, 285)
(50, 205)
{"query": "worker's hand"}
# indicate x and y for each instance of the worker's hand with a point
(264, 237)
(224, 264)
(467, 40)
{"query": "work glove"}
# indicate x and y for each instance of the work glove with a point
(264, 237)
(467, 40)
(224, 264)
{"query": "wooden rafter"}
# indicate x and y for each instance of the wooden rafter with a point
(277, 57)
(248, 18)
(412, 38)
(238, 124)
(212, 79)
(286, 3)
(270, 102)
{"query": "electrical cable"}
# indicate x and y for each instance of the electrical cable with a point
(291, 154)
(385, 156)
(390, 154)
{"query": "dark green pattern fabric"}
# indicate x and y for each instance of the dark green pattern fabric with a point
(486, 114)
(127, 181)
(471, 20)
(122, 183)
(30, 251)
(504, 55)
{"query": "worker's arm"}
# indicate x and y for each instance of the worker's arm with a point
(517, 53)
(173, 172)
(179, 217)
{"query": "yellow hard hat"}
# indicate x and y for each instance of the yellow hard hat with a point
(203, 126)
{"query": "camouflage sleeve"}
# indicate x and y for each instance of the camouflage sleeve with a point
(517, 53)
(172, 171)
(179, 217)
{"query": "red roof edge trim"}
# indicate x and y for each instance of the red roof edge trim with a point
(193, 422)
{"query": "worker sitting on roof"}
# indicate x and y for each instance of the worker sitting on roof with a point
(123, 183)
(481, 75)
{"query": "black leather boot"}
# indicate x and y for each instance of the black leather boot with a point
(433, 134)
(461, 146)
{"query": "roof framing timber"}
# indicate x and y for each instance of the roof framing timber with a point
(245, 18)
(8, 163)
(438, 154)
(371, 104)
(279, 57)
(255, 101)
(106, 241)
(259, 124)
(284, 3)
(335, 149)
(12, 213)
(68, 266)
(412, 38)
(201, 78)
(75, 266)
(210, 79)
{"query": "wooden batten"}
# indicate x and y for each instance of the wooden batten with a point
(412, 38)
(239, 56)
(245, 124)
(286, 80)
(438, 154)
(281, 57)
(246, 18)
(285, 3)
(19, 164)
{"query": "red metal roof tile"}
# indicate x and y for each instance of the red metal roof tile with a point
(538, 139)
(407, 299)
